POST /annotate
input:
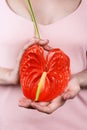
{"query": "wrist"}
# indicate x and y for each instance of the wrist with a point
(81, 78)
(14, 77)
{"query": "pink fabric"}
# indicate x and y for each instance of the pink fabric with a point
(68, 34)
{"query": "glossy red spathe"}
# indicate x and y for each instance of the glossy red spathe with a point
(33, 64)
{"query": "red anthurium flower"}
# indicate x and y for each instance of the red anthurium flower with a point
(43, 79)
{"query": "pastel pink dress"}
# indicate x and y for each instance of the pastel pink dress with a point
(68, 34)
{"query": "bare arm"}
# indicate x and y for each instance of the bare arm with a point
(82, 79)
(8, 76)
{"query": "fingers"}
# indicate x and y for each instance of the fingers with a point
(45, 107)
(68, 96)
(41, 108)
(47, 48)
(43, 43)
(71, 92)
(50, 107)
(24, 102)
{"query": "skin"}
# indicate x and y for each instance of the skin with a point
(77, 81)
(46, 11)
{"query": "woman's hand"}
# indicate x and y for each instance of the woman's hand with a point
(34, 40)
(45, 107)
(71, 91)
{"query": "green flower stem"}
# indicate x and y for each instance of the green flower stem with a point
(33, 19)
